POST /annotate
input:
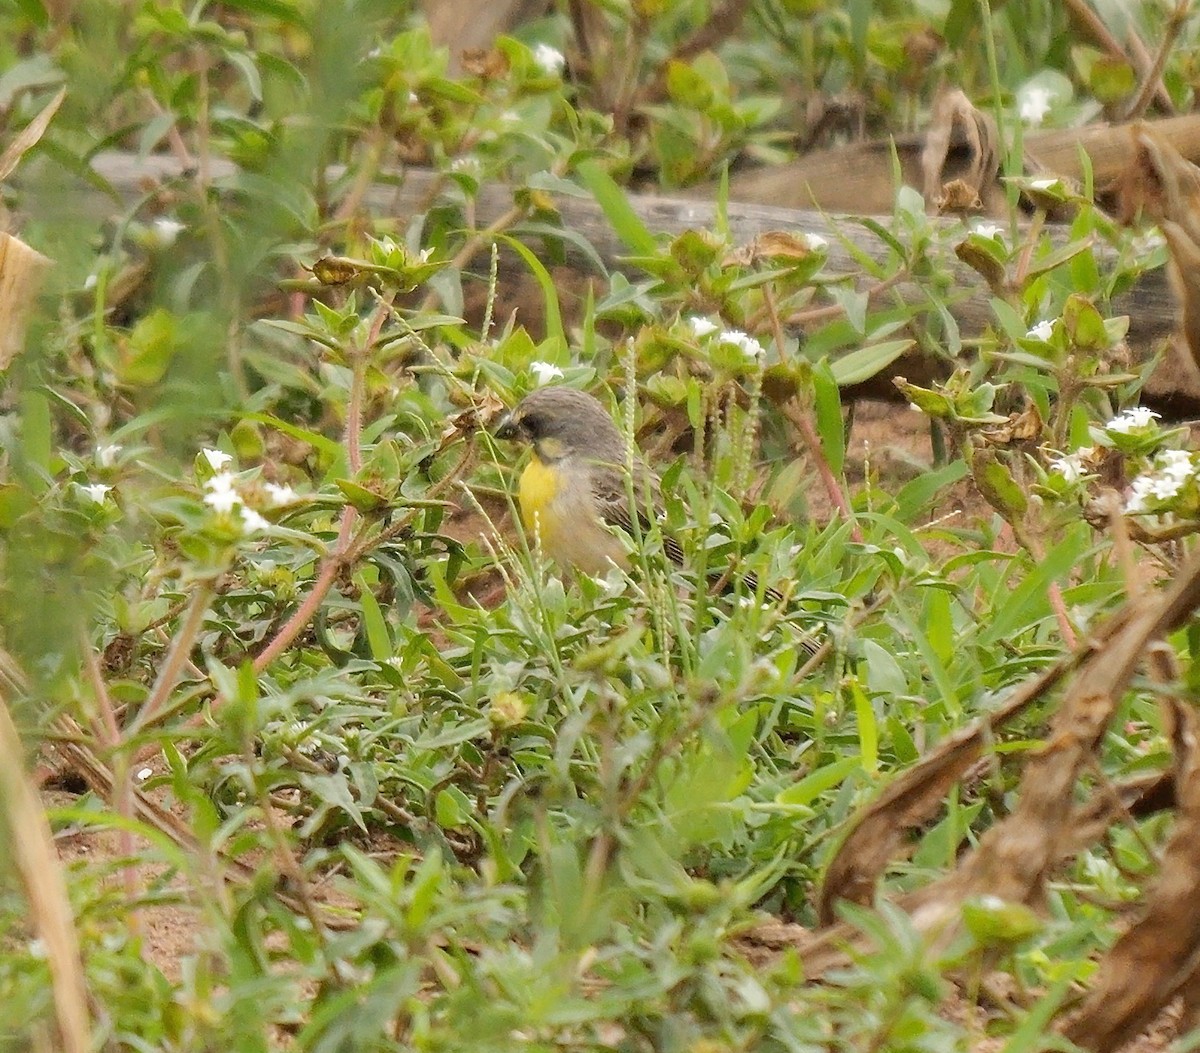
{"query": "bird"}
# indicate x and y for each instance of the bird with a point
(575, 490)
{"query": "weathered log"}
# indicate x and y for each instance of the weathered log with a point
(859, 177)
(467, 25)
(1149, 303)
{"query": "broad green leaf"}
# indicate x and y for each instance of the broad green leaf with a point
(615, 205)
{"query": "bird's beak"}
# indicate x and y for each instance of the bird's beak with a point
(507, 428)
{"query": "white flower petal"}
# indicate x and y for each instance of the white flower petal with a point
(545, 372)
(106, 456)
(166, 230)
(280, 495)
(95, 491)
(252, 522)
(549, 60)
(701, 327)
(217, 459)
(1033, 104)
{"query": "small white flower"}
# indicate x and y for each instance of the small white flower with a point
(95, 492)
(545, 372)
(1164, 487)
(220, 494)
(988, 230)
(1034, 103)
(280, 495)
(1042, 331)
(1131, 419)
(1177, 464)
(815, 242)
(217, 459)
(549, 60)
(1071, 466)
(749, 347)
(1141, 490)
(701, 327)
(89, 283)
(414, 99)
(1045, 183)
(144, 773)
(252, 522)
(222, 501)
(425, 255)
(1145, 244)
(166, 230)
(467, 165)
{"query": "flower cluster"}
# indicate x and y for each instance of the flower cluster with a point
(1155, 491)
(1073, 466)
(703, 327)
(1135, 419)
(222, 495)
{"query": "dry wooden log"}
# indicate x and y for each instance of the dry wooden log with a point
(859, 177)
(468, 25)
(21, 272)
(1149, 303)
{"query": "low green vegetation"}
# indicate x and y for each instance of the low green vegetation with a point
(253, 555)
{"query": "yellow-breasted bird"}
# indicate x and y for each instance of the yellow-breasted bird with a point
(574, 489)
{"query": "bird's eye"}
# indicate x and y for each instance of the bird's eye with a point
(531, 423)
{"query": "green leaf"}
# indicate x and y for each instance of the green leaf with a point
(818, 781)
(1028, 603)
(360, 497)
(1084, 324)
(994, 922)
(554, 324)
(997, 484)
(860, 365)
(150, 349)
(378, 638)
(914, 498)
(615, 205)
(828, 407)
(687, 87)
(868, 728)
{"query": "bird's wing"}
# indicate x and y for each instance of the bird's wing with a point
(612, 502)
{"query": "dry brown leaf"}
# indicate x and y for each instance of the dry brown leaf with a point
(1156, 957)
(1161, 185)
(29, 136)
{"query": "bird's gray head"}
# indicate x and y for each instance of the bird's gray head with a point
(560, 422)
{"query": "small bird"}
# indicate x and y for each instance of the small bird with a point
(574, 489)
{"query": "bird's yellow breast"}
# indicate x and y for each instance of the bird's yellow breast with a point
(559, 513)
(537, 490)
